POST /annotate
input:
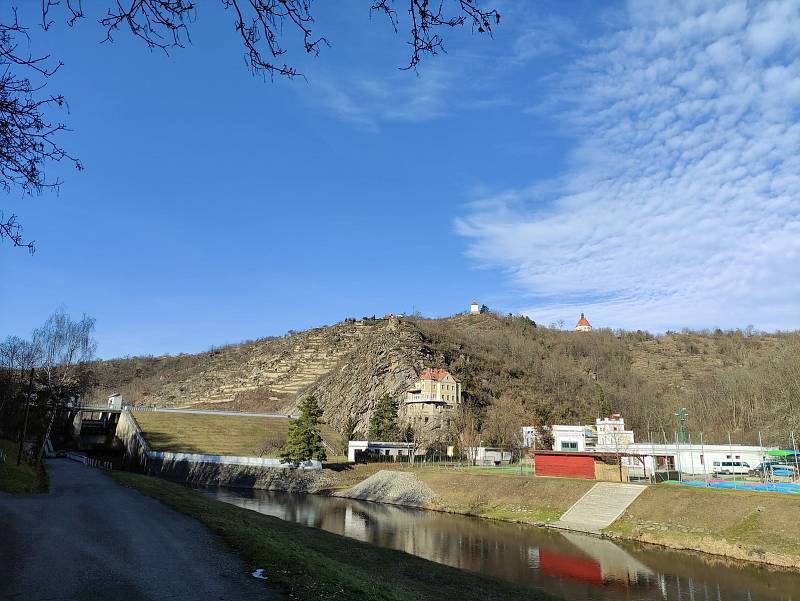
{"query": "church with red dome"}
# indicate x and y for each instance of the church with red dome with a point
(583, 324)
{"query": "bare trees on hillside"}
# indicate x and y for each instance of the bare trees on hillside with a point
(729, 381)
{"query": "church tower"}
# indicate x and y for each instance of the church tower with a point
(583, 324)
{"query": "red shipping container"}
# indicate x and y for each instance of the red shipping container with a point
(565, 466)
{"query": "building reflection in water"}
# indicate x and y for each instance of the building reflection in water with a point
(566, 565)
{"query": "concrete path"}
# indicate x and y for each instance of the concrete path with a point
(92, 539)
(600, 507)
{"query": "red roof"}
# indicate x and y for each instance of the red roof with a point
(582, 321)
(474, 302)
(435, 374)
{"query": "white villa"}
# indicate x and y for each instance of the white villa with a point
(434, 396)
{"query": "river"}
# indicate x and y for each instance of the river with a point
(573, 567)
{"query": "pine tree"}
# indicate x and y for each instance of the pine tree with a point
(383, 424)
(305, 441)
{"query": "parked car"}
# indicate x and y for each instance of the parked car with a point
(773, 467)
(731, 467)
(783, 469)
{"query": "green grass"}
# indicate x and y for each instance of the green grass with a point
(218, 434)
(308, 563)
(22, 478)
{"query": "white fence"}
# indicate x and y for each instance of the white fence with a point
(90, 461)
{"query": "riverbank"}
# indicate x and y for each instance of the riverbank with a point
(759, 527)
(308, 563)
(23, 478)
(751, 526)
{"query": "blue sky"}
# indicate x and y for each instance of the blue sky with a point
(639, 165)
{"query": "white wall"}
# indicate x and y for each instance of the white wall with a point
(689, 459)
(569, 434)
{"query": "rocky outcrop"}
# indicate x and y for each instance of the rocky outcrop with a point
(348, 366)
(385, 362)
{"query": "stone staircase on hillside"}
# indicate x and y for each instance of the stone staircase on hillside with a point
(294, 366)
(600, 507)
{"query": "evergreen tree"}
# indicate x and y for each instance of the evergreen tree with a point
(305, 441)
(383, 424)
(348, 431)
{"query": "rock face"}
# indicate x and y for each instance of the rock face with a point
(348, 366)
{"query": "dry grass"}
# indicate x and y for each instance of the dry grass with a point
(218, 434)
(747, 525)
(486, 493)
(504, 496)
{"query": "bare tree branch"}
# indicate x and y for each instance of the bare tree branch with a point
(11, 229)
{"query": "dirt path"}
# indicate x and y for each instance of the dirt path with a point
(90, 538)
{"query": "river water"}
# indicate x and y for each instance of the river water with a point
(569, 566)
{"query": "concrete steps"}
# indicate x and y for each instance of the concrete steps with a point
(600, 507)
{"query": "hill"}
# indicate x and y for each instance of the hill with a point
(729, 381)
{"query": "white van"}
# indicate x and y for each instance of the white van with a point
(731, 467)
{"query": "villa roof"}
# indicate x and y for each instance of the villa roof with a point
(582, 321)
(435, 374)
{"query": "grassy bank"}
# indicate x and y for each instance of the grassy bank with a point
(218, 434)
(308, 563)
(753, 526)
(490, 493)
(22, 478)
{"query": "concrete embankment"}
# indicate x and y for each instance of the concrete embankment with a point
(212, 470)
(242, 476)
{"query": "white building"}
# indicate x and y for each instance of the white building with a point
(115, 401)
(570, 438)
(474, 307)
(529, 436)
(608, 435)
(484, 455)
(583, 324)
(611, 431)
(686, 458)
(379, 449)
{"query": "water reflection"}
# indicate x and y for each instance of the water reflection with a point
(570, 566)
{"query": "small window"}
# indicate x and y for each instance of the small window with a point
(569, 446)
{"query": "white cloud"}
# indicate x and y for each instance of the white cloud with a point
(682, 207)
(543, 36)
(366, 102)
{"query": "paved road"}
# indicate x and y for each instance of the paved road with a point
(92, 539)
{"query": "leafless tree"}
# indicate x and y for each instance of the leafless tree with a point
(29, 140)
(504, 421)
(467, 432)
(66, 346)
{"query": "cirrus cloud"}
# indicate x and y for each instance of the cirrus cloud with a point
(682, 205)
